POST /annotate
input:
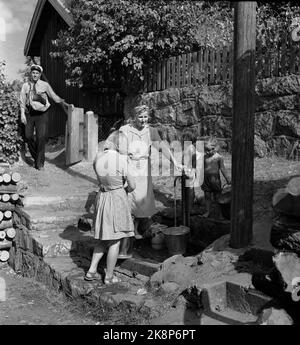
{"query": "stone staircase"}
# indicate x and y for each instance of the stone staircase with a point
(52, 250)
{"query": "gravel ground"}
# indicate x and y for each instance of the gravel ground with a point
(26, 302)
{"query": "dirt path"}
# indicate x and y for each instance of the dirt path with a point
(26, 302)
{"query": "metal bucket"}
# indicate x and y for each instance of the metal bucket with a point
(176, 239)
(126, 248)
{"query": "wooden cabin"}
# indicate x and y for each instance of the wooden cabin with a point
(49, 18)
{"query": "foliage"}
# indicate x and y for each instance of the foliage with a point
(10, 138)
(112, 41)
(274, 20)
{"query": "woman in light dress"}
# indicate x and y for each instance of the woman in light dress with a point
(141, 137)
(113, 219)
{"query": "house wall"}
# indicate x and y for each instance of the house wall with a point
(108, 105)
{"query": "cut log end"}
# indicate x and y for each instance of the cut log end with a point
(4, 255)
(16, 177)
(5, 197)
(11, 233)
(7, 214)
(14, 197)
(6, 178)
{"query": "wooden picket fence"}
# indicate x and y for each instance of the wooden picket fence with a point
(214, 66)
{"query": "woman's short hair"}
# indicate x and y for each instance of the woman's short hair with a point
(116, 140)
(141, 109)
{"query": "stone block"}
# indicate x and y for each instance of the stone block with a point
(218, 126)
(279, 86)
(273, 316)
(264, 124)
(287, 123)
(170, 287)
(260, 147)
(271, 103)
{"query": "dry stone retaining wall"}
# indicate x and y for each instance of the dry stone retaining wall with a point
(209, 110)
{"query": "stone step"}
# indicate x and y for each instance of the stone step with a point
(42, 219)
(73, 242)
(57, 242)
(66, 274)
(57, 203)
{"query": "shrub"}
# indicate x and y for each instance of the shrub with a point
(10, 138)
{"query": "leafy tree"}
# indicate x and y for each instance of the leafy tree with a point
(10, 138)
(111, 41)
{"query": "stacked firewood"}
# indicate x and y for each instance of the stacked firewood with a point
(9, 197)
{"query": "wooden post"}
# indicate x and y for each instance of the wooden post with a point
(91, 135)
(73, 154)
(243, 123)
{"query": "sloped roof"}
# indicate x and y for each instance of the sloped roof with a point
(61, 7)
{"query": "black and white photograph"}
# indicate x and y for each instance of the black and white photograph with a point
(149, 166)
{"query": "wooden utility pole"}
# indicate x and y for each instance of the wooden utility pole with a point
(243, 123)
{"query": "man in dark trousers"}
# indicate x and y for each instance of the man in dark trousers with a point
(34, 112)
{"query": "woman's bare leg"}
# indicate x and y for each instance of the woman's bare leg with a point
(97, 256)
(112, 257)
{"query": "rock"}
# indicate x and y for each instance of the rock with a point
(285, 233)
(264, 124)
(169, 287)
(218, 126)
(273, 316)
(216, 100)
(281, 145)
(260, 147)
(176, 269)
(287, 123)
(280, 86)
(288, 265)
(270, 103)
(167, 115)
(168, 132)
(187, 113)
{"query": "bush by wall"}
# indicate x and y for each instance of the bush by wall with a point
(10, 138)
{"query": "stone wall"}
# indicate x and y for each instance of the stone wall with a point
(209, 110)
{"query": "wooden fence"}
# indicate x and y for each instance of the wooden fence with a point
(214, 66)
